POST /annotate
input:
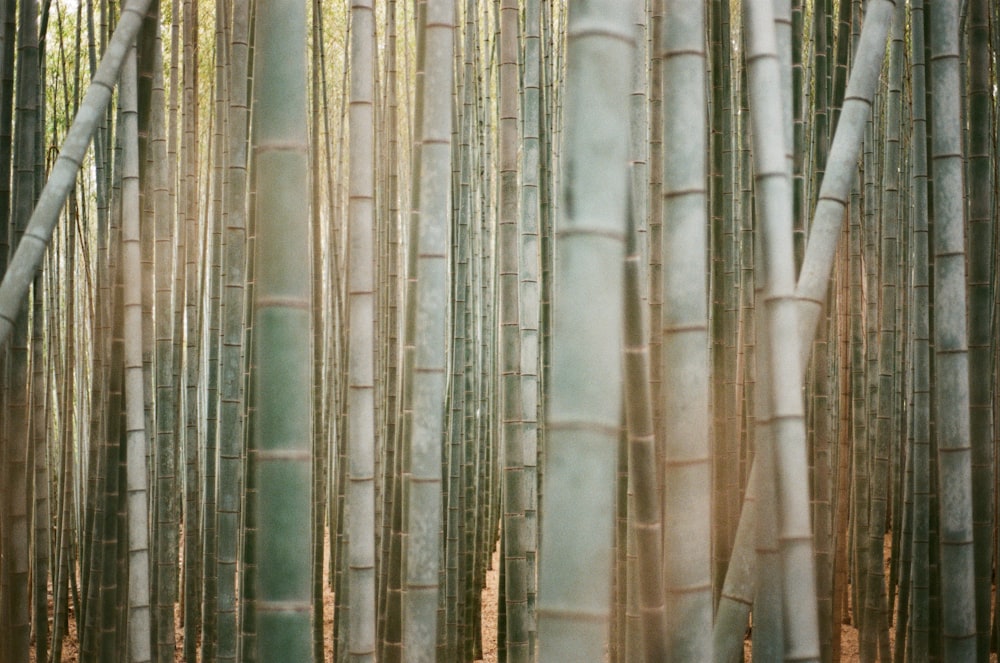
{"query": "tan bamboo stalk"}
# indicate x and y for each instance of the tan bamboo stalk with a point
(139, 642)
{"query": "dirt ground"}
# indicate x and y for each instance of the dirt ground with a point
(849, 635)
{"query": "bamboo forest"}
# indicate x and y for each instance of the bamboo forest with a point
(505, 330)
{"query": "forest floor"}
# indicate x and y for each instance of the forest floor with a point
(490, 595)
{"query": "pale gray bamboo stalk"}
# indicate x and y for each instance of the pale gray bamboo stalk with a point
(783, 406)
(951, 356)
(139, 641)
(433, 231)
(687, 471)
(28, 257)
(841, 169)
(361, 338)
(585, 399)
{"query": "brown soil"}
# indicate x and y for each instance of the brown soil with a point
(490, 595)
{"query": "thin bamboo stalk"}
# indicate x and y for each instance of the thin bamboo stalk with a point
(139, 641)
(361, 316)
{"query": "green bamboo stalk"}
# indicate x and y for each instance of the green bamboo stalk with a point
(981, 126)
(642, 463)
(529, 295)
(282, 335)
(584, 405)
(646, 588)
(514, 531)
(724, 297)
(231, 409)
(919, 622)
(15, 606)
(951, 395)
(321, 407)
(654, 221)
(212, 339)
(391, 479)
(165, 531)
(193, 440)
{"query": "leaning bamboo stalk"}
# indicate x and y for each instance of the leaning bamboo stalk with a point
(737, 595)
(840, 172)
(27, 259)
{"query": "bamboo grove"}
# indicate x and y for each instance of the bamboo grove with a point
(678, 316)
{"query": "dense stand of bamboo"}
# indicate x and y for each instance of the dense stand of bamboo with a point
(688, 311)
